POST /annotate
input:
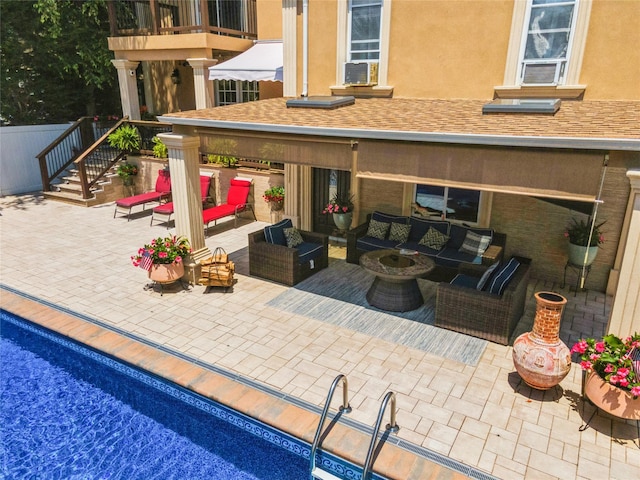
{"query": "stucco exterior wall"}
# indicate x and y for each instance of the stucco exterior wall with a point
(611, 64)
(269, 14)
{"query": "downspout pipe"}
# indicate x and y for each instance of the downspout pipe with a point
(305, 48)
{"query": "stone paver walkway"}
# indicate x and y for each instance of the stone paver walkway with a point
(482, 416)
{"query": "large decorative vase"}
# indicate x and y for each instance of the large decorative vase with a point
(541, 359)
(166, 272)
(576, 254)
(343, 220)
(611, 399)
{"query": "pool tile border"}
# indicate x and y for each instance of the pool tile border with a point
(397, 459)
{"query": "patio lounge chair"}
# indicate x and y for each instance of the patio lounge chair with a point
(165, 210)
(161, 193)
(236, 203)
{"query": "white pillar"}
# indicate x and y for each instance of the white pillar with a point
(186, 196)
(202, 86)
(289, 43)
(128, 88)
(625, 315)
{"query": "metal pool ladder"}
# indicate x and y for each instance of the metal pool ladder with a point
(317, 472)
(392, 426)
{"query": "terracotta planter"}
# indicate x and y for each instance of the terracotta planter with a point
(576, 254)
(166, 273)
(276, 206)
(541, 359)
(343, 220)
(611, 399)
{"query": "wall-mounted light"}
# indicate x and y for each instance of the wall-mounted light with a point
(175, 76)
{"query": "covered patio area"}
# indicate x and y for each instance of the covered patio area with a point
(475, 415)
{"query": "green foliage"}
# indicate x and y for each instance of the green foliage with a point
(224, 150)
(125, 138)
(159, 148)
(274, 194)
(126, 169)
(56, 65)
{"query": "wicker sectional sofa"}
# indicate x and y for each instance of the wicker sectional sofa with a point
(461, 307)
(448, 257)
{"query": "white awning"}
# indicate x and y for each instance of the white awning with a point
(262, 62)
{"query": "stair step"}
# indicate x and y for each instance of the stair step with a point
(320, 474)
(70, 198)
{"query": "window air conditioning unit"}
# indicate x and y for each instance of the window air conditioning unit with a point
(541, 73)
(361, 73)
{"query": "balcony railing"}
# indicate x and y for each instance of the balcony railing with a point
(166, 17)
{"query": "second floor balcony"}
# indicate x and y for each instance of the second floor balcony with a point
(235, 18)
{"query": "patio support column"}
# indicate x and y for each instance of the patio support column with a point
(625, 314)
(128, 88)
(185, 193)
(291, 193)
(304, 198)
(202, 86)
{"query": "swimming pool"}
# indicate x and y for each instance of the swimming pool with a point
(70, 412)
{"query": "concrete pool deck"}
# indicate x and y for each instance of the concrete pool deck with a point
(480, 415)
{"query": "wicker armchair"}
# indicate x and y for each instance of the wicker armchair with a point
(280, 263)
(479, 313)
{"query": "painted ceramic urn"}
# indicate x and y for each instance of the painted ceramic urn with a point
(541, 359)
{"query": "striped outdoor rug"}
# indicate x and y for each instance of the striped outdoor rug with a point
(337, 295)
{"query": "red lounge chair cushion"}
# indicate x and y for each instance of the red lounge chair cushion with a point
(164, 209)
(238, 192)
(215, 213)
(141, 199)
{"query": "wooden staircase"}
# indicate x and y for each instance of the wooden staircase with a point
(69, 190)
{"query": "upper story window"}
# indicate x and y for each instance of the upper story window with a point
(364, 30)
(547, 41)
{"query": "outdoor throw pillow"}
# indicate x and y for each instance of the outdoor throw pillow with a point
(475, 244)
(377, 229)
(294, 238)
(487, 275)
(503, 276)
(433, 239)
(399, 232)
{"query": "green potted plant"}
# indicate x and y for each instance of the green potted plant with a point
(581, 244)
(160, 150)
(126, 138)
(275, 197)
(126, 171)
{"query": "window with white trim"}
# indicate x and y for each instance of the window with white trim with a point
(546, 45)
(232, 91)
(457, 204)
(364, 30)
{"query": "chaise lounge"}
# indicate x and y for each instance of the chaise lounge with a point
(162, 213)
(160, 194)
(236, 203)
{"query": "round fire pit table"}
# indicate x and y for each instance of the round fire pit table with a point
(395, 287)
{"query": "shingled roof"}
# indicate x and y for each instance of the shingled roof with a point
(579, 124)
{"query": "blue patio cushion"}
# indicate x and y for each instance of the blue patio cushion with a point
(368, 244)
(487, 275)
(451, 257)
(308, 251)
(275, 233)
(419, 227)
(466, 281)
(399, 232)
(458, 233)
(423, 249)
(503, 276)
(387, 218)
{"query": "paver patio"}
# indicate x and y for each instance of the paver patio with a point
(481, 415)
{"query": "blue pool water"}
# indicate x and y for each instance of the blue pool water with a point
(68, 412)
